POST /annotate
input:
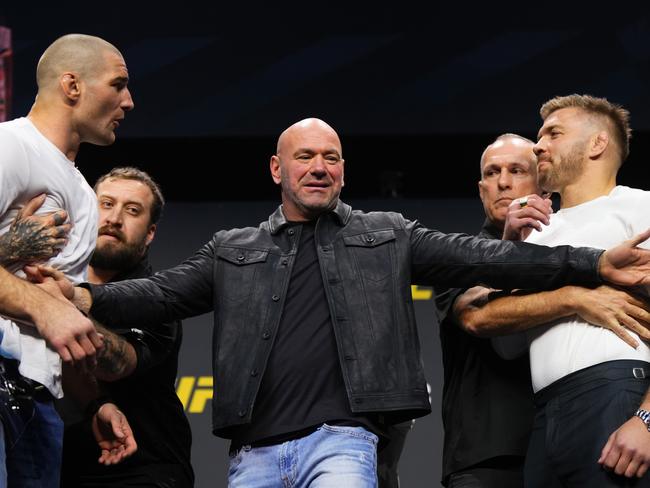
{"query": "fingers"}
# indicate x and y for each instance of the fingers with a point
(620, 331)
(32, 206)
(639, 238)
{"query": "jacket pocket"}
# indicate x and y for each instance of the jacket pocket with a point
(372, 253)
(236, 271)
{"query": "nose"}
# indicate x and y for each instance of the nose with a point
(539, 147)
(318, 167)
(127, 102)
(113, 216)
(505, 179)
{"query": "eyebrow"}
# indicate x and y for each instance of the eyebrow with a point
(548, 128)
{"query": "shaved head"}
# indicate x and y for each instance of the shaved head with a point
(78, 53)
(306, 126)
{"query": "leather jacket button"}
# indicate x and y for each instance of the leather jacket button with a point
(275, 298)
(254, 373)
(242, 412)
(266, 334)
(240, 257)
(291, 232)
(326, 249)
(284, 262)
(370, 239)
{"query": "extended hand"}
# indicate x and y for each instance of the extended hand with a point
(627, 451)
(524, 215)
(113, 434)
(627, 264)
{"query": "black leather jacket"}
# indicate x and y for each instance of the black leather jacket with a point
(368, 262)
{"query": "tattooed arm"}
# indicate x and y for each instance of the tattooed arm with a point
(117, 359)
(31, 238)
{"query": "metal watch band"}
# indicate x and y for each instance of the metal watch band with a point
(644, 415)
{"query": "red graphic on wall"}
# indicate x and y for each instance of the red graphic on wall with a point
(5, 73)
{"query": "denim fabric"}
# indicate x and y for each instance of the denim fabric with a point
(330, 457)
(35, 460)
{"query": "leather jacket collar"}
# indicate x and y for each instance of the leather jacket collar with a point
(277, 220)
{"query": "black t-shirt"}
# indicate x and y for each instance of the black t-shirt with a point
(149, 401)
(487, 402)
(302, 385)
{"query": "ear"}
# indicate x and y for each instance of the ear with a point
(598, 144)
(150, 234)
(480, 189)
(276, 170)
(342, 173)
(70, 85)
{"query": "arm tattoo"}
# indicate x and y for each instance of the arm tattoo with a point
(113, 358)
(25, 241)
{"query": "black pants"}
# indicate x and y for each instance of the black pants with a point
(574, 418)
(501, 472)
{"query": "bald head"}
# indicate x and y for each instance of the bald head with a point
(77, 53)
(515, 141)
(307, 127)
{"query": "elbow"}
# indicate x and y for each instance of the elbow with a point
(473, 325)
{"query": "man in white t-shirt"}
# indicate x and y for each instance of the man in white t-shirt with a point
(82, 97)
(591, 427)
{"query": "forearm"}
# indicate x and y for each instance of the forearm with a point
(489, 315)
(117, 359)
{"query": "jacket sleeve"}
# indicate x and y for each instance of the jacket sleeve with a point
(460, 260)
(180, 292)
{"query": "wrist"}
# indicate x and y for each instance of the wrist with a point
(95, 404)
(644, 416)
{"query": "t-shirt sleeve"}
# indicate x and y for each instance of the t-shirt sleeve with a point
(14, 170)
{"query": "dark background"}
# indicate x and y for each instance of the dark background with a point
(416, 92)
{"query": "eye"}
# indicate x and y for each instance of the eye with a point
(303, 157)
(332, 158)
(133, 210)
(105, 204)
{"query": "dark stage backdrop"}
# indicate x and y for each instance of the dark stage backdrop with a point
(187, 226)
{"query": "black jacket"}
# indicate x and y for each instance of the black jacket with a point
(368, 262)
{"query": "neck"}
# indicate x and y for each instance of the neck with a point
(589, 186)
(56, 127)
(98, 276)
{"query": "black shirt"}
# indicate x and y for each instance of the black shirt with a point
(487, 402)
(302, 385)
(149, 401)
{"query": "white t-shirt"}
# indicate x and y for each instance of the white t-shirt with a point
(567, 345)
(29, 165)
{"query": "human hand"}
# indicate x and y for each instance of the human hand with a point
(627, 451)
(113, 434)
(627, 264)
(50, 279)
(68, 331)
(524, 215)
(613, 309)
(34, 238)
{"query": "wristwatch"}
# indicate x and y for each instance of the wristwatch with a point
(644, 415)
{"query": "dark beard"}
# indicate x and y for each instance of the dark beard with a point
(117, 258)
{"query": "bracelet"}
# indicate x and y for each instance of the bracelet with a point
(644, 415)
(95, 404)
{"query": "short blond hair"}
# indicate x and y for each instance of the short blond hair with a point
(618, 117)
(73, 52)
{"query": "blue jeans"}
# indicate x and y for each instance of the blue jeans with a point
(332, 456)
(35, 460)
